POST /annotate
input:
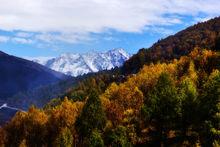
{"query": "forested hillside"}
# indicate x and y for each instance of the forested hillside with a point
(169, 96)
(203, 35)
(174, 103)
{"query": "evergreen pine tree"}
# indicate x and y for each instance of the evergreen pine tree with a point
(92, 116)
(164, 106)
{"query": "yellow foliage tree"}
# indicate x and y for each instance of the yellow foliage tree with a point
(15, 132)
(118, 99)
(64, 116)
(36, 127)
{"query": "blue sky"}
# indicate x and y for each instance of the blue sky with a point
(36, 28)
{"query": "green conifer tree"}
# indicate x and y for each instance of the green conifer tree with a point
(92, 116)
(164, 106)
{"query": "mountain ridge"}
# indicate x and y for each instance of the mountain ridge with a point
(19, 74)
(80, 64)
(203, 35)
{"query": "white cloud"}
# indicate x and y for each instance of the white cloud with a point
(110, 38)
(19, 40)
(4, 38)
(159, 30)
(62, 37)
(22, 40)
(24, 34)
(73, 18)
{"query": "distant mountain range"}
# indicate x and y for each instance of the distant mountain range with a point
(25, 82)
(79, 64)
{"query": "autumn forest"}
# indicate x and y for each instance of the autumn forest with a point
(171, 98)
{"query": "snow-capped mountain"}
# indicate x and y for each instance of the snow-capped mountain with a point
(79, 64)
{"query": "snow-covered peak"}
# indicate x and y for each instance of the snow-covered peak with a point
(119, 51)
(79, 64)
